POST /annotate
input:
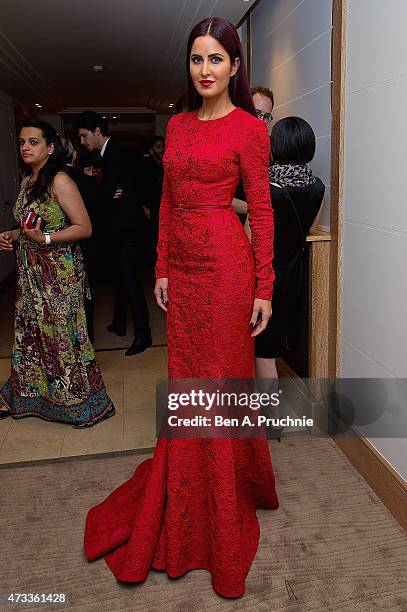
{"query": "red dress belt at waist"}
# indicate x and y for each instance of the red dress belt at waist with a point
(203, 206)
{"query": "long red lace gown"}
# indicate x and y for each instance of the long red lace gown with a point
(193, 505)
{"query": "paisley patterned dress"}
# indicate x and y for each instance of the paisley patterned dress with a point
(54, 372)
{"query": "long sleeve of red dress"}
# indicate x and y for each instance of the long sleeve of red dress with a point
(254, 164)
(161, 268)
(203, 163)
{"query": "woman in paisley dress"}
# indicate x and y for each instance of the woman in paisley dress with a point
(54, 373)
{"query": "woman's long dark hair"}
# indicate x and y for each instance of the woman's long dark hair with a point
(226, 34)
(56, 162)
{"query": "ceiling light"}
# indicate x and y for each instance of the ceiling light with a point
(38, 105)
(114, 117)
(97, 68)
(103, 117)
(171, 105)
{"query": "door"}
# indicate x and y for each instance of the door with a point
(9, 179)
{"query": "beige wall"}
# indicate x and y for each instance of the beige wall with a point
(374, 287)
(291, 54)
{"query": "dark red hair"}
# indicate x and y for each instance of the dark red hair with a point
(226, 34)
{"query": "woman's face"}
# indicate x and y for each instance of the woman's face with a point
(33, 146)
(210, 67)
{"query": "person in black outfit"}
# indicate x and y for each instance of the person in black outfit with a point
(132, 257)
(120, 227)
(151, 184)
(296, 196)
(90, 192)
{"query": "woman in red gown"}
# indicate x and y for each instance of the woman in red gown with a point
(193, 505)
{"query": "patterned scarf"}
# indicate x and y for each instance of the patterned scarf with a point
(287, 175)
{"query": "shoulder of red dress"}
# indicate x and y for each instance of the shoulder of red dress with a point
(180, 120)
(249, 120)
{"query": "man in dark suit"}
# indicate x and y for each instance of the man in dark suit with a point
(120, 229)
(89, 189)
(151, 184)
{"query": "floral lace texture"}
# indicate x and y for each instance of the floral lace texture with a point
(193, 505)
(203, 162)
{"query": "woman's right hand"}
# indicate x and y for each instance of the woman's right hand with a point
(6, 241)
(161, 292)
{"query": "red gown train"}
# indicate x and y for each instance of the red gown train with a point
(193, 505)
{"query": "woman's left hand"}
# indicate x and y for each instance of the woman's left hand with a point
(34, 234)
(260, 316)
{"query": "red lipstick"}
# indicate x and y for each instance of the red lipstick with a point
(205, 83)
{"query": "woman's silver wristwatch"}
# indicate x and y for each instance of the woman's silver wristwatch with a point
(47, 237)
